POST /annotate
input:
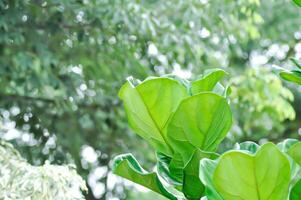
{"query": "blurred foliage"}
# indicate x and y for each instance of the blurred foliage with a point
(19, 180)
(62, 63)
(261, 104)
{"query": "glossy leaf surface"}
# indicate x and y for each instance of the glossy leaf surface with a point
(193, 188)
(128, 167)
(201, 121)
(293, 76)
(263, 176)
(207, 81)
(149, 107)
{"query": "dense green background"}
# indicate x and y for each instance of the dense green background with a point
(63, 62)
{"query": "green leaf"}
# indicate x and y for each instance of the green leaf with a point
(263, 176)
(193, 188)
(297, 73)
(295, 193)
(201, 121)
(164, 171)
(291, 76)
(188, 176)
(287, 147)
(207, 168)
(295, 152)
(176, 167)
(149, 106)
(297, 2)
(286, 144)
(128, 167)
(207, 81)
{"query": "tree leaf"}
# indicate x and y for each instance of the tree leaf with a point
(291, 76)
(207, 81)
(201, 121)
(263, 176)
(128, 167)
(149, 106)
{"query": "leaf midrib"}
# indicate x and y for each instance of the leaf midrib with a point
(255, 179)
(155, 123)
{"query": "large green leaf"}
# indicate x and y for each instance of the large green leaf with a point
(149, 106)
(201, 121)
(128, 167)
(207, 81)
(263, 176)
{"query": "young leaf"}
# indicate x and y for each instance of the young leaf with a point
(128, 167)
(201, 121)
(263, 176)
(193, 188)
(208, 81)
(163, 163)
(176, 167)
(149, 106)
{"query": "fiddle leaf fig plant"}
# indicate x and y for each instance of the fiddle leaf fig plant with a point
(185, 121)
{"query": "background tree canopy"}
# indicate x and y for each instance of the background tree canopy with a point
(63, 62)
